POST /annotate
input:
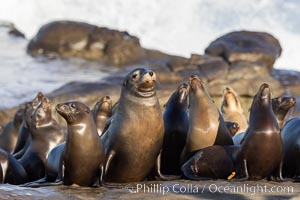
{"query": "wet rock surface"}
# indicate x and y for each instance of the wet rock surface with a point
(182, 189)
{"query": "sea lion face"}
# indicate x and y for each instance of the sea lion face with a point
(197, 86)
(262, 97)
(230, 100)
(183, 91)
(104, 106)
(73, 112)
(42, 114)
(283, 104)
(141, 82)
(18, 117)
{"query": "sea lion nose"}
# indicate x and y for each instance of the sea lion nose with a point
(151, 73)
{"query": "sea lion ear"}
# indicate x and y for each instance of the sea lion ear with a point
(87, 111)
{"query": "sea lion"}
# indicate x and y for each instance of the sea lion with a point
(294, 111)
(290, 134)
(134, 139)
(9, 135)
(206, 124)
(83, 156)
(11, 171)
(102, 112)
(232, 110)
(232, 127)
(281, 106)
(176, 123)
(45, 135)
(213, 162)
(261, 151)
(24, 137)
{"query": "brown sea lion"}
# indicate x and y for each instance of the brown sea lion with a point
(281, 106)
(261, 151)
(83, 156)
(134, 139)
(9, 135)
(102, 111)
(24, 137)
(294, 111)
(45, 135)
(232, 110)
(176, 123)
(232, 127)
(11, 171)
(290, 134)
(206, 124)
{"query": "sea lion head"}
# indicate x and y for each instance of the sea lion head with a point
(18, 117)
(73, 112)
(283, 104)
(262, 97)
(233, 127)
(182, 92)
(103, 107)
(179, 97)
(42, 114)
(37, 100)
(197, 86)
(31, 107)
(230, 100)
(140, 82)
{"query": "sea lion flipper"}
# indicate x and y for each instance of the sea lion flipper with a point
(159, 175)
(109, 160)
(277, 175)
(244, 170)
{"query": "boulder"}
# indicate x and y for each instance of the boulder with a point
(78, 39)
(246, 46)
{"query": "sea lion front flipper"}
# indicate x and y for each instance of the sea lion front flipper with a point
(159, 175)
(108, 161)
(277, 175)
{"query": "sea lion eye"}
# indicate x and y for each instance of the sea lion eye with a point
(134, 75)
(73, 105)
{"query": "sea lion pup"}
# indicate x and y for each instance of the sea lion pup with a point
(261, 151)
(176, 123)
(24, 137)
(232, 110)
(9, 135)
(281, 106)
(232, 127)
(11, 171)
(83, 155)
(206, 124)
(45, 135)
(134, 139)
(102, 111)
(213, 162)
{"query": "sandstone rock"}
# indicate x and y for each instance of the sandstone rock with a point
(69, 38)
(246, 46)
(246, 70)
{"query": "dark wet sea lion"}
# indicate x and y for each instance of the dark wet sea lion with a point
(213, 162)
(294, 111)
(290, 134)
(45, 135)
(9, 135)
(281, 106)
(83, 156)
(102, 111)
(134, 138)
(261, 151)
(176, 123)
(206, 124)
(232, 110)
(11, 171)
(24, 137)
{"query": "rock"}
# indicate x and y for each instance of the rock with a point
(289, 79)
(246, 46)
(70, 38)
(246, 70)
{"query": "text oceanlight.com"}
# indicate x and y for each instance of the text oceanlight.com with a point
(208, 188)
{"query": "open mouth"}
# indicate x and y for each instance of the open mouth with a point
(265, 91)
(147, 86)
